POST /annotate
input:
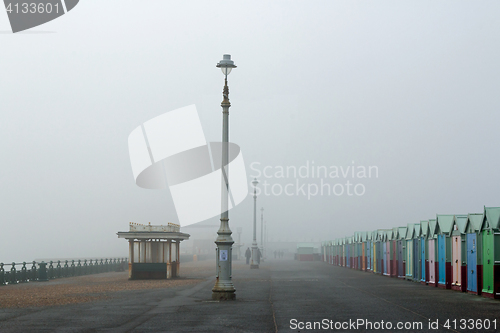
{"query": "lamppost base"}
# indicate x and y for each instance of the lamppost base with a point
(223, 291)
(223, 295)
(254, 266)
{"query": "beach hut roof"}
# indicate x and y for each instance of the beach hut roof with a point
(380, 234)
(432, 228)
(409, 231)
(402, 233)
(445, 223)
(416, 233)
(474, 222)
(364, 236)
(388, 235)
(424, 228)
(395, 233)
(491, 219)
(461, 222)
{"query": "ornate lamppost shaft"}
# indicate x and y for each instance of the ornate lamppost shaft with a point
(224, 288)
(254, 264)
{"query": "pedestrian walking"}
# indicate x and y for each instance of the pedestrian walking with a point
(248, 254)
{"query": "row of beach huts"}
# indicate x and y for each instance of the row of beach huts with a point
(459, 252)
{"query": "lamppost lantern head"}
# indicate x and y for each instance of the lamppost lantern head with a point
(255, 182)
(226, 64)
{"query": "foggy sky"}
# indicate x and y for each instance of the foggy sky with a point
(408, 87)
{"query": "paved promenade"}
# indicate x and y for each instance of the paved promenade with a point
(281, 296)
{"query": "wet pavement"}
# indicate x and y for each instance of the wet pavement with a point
(283, 295)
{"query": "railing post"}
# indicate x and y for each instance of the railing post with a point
(51, 270)
(24, 273)
(13, 277)
(42, 271)
(85, 267)
(2, 275)
(34, 272)
(66, 269)
(101, 267)
(79, 268)
(58, 269)
(73, 268)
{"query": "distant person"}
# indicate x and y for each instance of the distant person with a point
(248, 254)
(258, 256)
(275, 254)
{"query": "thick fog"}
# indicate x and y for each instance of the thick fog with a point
(406, 91)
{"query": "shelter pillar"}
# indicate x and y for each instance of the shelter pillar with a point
(131, 257)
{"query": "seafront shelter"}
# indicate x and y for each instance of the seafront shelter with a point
(151, 250)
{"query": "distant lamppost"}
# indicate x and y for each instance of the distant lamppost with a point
(266, 236)
(254, 263)
(224, 288)
(239, 229)
(262, 232)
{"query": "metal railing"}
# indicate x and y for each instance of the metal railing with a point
(45, 271)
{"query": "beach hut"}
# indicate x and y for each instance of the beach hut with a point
(424, 259)
(333, 252)
(490, 234)
(432, 256)
(344, 252)
(444, 225)
(359, 252)
(458, 257)
(387, 252)
(349, 252)
(373, 253)
(340, 252)
(330, 252)
(354, 255)
(409, 251)
(394, 252)
(416, 253)
(368, 251)
(474, 262)
(380, 251)
(323, 251)
(401, 252)
(363, 251)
